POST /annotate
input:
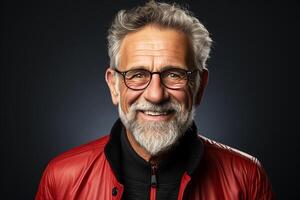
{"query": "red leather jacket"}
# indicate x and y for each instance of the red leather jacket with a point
(223, 173)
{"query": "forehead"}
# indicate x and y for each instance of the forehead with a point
(155, 47)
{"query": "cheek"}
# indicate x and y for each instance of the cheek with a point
(184, 97)
(127, 98)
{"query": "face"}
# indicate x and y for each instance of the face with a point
(156, 116)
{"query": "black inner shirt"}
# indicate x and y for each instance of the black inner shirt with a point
(136, 173)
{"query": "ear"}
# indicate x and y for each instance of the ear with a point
(111, 82)
(202, 86)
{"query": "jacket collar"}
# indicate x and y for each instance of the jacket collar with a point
(190, 141)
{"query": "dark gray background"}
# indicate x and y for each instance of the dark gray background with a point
(53, 59)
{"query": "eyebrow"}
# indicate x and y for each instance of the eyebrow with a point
(162, 69)
(172, 67)
(137, 67)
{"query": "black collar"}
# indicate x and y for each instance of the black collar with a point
(193, 149)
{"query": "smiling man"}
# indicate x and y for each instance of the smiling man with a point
(155, 100)
(157, 77)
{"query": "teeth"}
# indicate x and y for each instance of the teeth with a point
(155, 113)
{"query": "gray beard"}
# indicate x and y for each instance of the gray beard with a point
(156, 137)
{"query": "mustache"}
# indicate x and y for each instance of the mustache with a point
(147, 106)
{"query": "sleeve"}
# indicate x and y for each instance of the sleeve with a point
(260, 186)
(46, 186)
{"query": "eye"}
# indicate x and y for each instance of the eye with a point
(137, 74)
(174, 74)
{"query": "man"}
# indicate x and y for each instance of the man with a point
(158, 73)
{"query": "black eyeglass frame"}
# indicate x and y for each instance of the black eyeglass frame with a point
(188, 74)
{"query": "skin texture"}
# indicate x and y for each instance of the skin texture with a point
(154, 48)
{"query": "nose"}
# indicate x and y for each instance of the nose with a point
(155, 92)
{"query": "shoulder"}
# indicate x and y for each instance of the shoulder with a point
(77, 160)
(82, 152)
(218, 152)
(227, 173)
(69, 169)
(230, 164)
(241, 171)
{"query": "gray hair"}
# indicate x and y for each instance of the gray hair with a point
(164, 15)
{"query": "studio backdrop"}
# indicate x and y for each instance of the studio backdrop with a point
(53, 60)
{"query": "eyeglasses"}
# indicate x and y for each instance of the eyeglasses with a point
(172, 78)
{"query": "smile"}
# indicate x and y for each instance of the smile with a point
(155, 113)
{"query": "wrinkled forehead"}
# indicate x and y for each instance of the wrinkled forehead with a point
(154, 47)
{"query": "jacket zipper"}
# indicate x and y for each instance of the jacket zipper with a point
(153, 186)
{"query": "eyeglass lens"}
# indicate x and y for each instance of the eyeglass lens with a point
(140, 78)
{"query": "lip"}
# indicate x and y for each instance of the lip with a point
(147, 115)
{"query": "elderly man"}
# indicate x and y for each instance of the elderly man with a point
(158, 73)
